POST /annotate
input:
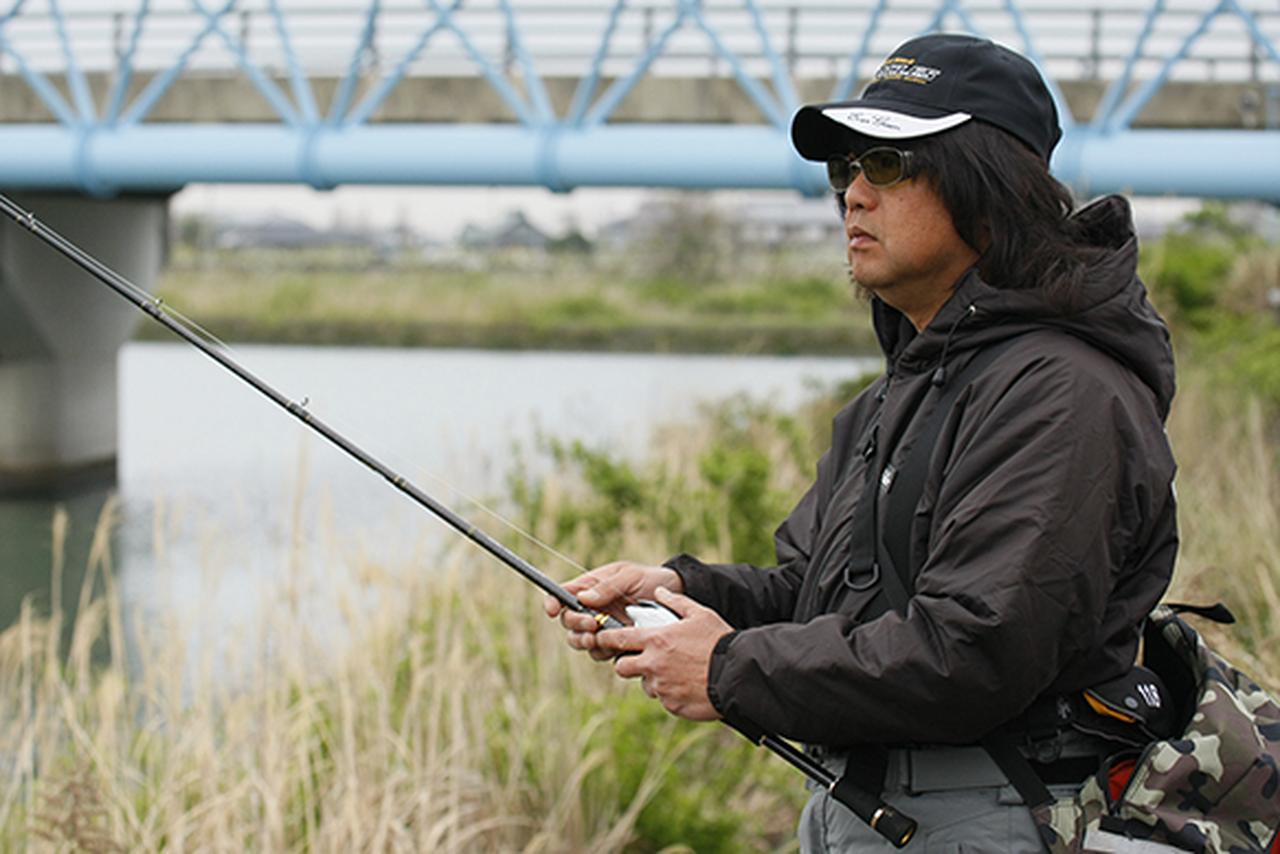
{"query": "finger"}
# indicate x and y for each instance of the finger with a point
(591, 584)
(623, 640)
(681, 604)
(597, 575)
(590, 642)
(599, 595)
(552, 606)
(631, 666)
(577, 622)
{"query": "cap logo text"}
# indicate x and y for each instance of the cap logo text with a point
(907, 70)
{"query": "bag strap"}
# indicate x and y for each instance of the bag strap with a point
(906, 484)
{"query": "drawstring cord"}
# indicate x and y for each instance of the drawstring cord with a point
(940, 373)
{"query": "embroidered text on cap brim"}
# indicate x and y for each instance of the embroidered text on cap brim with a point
(887, 124)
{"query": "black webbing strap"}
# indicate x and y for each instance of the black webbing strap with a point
(899, 573)
(868, 556)
(908, 481)
(1003, 749)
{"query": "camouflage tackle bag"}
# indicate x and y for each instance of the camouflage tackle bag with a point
(1212, 787)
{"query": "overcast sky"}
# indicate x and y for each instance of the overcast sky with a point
(437, 212)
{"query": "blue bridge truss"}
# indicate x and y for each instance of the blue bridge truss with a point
(81, 85)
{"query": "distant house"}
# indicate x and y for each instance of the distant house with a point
(283, 233)
(768, 220)
(773, 222)
(513, 232)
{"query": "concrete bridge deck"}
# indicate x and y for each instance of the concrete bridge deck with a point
(219, 98)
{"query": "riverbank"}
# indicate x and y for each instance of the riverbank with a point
(455, 719)
(750, 337)
(776, 303)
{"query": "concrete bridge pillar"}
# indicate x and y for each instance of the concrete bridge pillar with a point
(60, 331)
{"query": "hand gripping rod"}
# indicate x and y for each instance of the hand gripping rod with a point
(884, 819)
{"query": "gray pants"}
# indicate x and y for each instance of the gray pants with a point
(962, 802)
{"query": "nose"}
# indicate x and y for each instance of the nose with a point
(859, 196)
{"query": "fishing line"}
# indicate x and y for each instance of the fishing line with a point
(894, 826)
(308, 402)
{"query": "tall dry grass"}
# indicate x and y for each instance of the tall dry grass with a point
(1228, 450)
(456, 720)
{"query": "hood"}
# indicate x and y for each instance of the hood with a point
(1110, 311)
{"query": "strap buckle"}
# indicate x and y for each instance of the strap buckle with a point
(863, 580)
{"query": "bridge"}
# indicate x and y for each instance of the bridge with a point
(106, 108)
(569, 93)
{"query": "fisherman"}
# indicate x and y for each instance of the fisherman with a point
(1044, 530)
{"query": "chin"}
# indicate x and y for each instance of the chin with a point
(865, 289)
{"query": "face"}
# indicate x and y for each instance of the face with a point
(903, 247)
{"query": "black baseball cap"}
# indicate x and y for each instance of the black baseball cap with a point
(931, 84)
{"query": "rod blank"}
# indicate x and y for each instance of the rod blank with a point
(894, 826)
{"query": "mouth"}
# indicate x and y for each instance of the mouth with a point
(859, 239)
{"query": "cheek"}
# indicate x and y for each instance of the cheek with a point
(924, 233)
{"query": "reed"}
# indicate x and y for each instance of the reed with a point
(1228, 450)
(455, 719)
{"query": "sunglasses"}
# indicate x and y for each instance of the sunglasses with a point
(883, 167)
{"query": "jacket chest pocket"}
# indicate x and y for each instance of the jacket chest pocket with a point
(835, 583)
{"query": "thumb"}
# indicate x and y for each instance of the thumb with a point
(681, 604)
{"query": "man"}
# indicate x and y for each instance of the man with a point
(1044, 531)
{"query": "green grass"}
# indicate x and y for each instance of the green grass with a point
(783, 303)
(457, 720)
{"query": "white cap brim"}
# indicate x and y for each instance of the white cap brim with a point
(888, 124)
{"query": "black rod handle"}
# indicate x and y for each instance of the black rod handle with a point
(896, 827)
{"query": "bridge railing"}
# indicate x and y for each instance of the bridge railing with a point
(565, 78)
(815, 39)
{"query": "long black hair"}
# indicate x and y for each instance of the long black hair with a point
(1006, 205)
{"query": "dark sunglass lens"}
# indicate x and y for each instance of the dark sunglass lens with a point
(883, 166)
(840, 173)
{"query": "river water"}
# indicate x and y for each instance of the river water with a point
(224, 500)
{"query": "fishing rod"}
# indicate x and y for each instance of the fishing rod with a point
(884, 819)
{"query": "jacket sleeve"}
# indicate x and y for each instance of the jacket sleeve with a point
(746, 595)
(1052, 477)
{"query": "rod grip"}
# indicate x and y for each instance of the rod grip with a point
(882, 818)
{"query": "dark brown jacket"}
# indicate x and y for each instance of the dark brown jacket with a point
(1044, 534)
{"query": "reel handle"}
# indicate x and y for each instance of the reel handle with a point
(647, 614)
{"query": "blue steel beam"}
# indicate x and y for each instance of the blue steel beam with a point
(260, 80)
(40, 85)
(1126, 113)
(123, 151)
(347, 88)
(160, 84)
(124, 66)
(302, 93)
(844, 89)
(78, 83)
(1245, 164)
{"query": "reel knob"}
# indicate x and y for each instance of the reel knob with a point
(647, 614)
